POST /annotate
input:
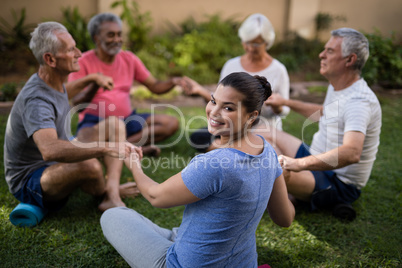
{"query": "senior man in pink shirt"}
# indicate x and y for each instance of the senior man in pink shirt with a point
(101, 89)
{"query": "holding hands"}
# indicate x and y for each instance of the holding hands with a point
(276, 101)
(192, 88)
(121, 150)
(133, 160)
(189, 86)
(289, 163)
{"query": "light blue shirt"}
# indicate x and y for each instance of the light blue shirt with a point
(234, 188)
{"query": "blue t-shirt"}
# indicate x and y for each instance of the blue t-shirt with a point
(234, 188)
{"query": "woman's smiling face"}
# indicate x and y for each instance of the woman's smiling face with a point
(226, 115)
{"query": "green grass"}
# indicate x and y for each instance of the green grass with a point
(73, 237)
(319, 89)
(142, 93)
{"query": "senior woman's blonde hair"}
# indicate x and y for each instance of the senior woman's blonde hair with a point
(255, 25)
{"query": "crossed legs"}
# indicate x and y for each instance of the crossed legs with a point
(158, 127)
(110, 130)
(138, 240)
(60, 180)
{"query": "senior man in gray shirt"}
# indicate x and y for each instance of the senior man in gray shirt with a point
(42, 167)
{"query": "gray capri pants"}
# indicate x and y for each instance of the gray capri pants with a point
(138, 240)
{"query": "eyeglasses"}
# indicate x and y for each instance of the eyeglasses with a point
(256, 45)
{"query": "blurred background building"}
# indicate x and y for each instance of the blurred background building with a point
(286, 15)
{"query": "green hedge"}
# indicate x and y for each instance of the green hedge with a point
(199, 49)
(384, 66)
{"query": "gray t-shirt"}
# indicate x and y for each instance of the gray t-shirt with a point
(37, 106)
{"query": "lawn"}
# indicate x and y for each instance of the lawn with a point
(72, 237)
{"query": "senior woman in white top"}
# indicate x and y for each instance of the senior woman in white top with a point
(257, 35)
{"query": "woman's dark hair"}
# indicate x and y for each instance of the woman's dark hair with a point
(256, 89)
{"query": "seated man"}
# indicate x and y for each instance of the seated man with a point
(107, 74)
(338, 164)
(42, 167)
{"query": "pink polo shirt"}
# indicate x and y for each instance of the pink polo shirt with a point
(126, 68)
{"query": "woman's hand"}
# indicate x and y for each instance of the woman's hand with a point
(290, 163)
(194, 89)
(133, 161)
(119, 150)
(276, 101)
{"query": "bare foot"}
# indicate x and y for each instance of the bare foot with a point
(109, 203)
(151, 150)
(128, 189)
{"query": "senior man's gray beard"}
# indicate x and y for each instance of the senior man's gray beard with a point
(113, 48)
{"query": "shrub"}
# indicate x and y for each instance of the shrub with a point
(156, 64)
(204, 48)
(138, 24)
(324, 21)
(16, 35)
(295, 52)
(384, 66)
(8, 91)
(76, 24)
(197, 50)
(14, 39)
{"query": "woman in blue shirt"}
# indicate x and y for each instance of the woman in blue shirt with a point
(225, 191)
